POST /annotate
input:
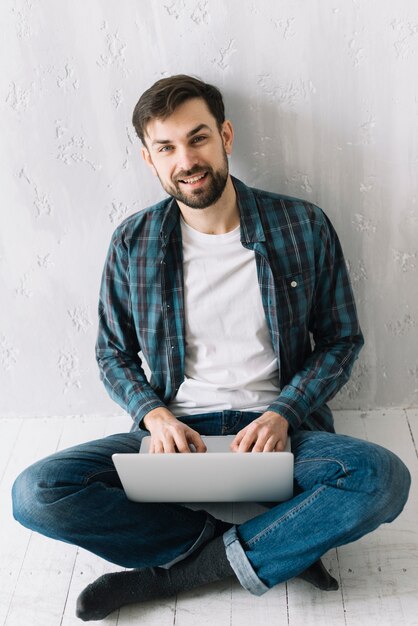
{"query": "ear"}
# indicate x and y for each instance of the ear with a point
(227, 134)
(147, 158)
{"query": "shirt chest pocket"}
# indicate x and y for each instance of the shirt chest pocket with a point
(294, 299)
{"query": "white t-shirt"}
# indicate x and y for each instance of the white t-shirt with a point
(229, 361)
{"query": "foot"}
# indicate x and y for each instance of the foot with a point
(319, 577)
(111, 591)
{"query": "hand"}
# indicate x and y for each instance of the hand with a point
(168, 434)
(267, 433)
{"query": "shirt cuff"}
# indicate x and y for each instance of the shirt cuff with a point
(291, 405)
(139, 407)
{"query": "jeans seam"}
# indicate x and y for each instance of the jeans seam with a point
(321, 460)
(240, 416)
(287, 515)
(234, 425)
(88, 478)
(205, 536)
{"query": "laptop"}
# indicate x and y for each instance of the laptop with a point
(217, 475)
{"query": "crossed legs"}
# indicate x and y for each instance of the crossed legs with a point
(344, 488)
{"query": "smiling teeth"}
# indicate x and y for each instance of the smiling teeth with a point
(193, 180)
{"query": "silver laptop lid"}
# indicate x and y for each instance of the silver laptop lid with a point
(207, 477)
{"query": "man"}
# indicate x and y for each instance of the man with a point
(221, 288)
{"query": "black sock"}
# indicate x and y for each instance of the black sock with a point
(319, 577)
(111, 591)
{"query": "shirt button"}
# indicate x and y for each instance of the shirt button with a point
(293, 283)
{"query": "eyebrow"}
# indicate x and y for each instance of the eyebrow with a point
(192, 132)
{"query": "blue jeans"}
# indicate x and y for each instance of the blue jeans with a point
(343, 489)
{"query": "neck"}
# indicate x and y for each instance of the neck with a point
(217, 219)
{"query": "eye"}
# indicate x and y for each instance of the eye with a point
(199, 138)
(165, 149)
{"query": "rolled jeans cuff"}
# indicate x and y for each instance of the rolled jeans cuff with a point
(205, 536)
(241, 565)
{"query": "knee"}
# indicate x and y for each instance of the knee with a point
(26, 501)
(391, 482)
(398, 483)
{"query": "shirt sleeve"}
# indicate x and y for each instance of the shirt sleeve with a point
(335, 330)
(117, 344)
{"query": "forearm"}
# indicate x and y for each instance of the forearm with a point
(126, 383)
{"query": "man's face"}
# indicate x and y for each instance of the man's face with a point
(188, 153)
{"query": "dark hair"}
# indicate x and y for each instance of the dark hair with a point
(160, 100)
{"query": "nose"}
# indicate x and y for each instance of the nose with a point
(186, 159)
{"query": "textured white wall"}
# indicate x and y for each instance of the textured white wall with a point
(324, 98)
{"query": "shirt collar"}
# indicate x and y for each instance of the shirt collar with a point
(170, 220)
(251, 225)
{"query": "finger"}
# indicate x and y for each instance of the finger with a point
(181, 442)
(247, 442)
(280, 446)
(260, 444)
(270, 444)
(157, 447)
(169, 445)
(254, 438)
(197, 441)
(234, 445)
(263, 439)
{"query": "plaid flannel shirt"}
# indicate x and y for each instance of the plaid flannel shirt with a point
(306, 295)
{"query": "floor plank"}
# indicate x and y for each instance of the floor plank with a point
(248, 610)
(9, 432)
(201, 605)
(412, 419)
(309, 606)
(161, 613)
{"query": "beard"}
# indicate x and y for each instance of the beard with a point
(200, 198)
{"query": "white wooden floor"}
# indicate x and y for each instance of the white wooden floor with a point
(40, 578)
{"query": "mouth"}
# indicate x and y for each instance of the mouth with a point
(194, 181)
